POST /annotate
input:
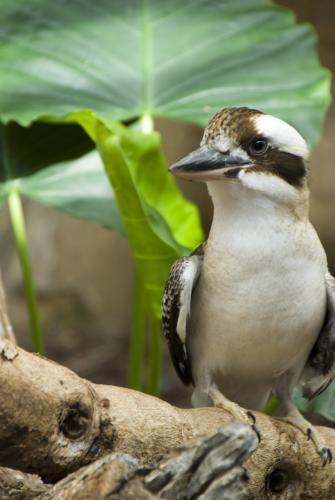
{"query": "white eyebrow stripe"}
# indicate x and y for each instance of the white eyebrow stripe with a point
(281, 135)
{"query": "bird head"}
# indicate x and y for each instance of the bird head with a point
(260, 151)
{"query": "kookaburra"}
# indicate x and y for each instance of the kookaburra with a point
(251, 313)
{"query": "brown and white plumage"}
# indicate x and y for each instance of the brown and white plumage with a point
(176, 310)
(255, 315)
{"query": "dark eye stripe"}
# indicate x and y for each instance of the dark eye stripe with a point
(291, 168)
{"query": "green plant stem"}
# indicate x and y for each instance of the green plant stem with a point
(271, 406)
(19, 229)
(146, 123)
(137, 340)
(155, 357)
(155, 344)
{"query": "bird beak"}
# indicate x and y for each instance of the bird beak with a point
(206, 163)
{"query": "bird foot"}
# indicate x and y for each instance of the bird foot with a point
(299, 422)
(236, 411)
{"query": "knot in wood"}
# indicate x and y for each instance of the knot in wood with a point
(277, 481)
(75, 422)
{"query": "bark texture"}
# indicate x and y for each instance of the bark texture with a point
(52, 422)
(16, 485)
(194, 471)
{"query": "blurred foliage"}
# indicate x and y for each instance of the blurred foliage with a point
(131, 60)
(323, 404)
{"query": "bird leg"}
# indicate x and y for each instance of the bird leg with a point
(236, 411)
(292, 416)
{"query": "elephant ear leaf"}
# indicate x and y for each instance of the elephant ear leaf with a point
(159, 223)
(40, 162)
(180, 59)
(79, 188)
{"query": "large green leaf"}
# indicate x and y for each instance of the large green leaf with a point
(181, 59)
(24, 151)
(159, 223)
(152, 253)
(79, 187)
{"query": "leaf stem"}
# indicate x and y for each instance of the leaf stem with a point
(146, 123)
(155, 359)
(20, 234)
(137, 339)
(155, 350)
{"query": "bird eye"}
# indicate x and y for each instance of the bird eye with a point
(258, 147)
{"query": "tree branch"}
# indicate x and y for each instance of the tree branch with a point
(16, 485)
(52, 422)
(206, 468)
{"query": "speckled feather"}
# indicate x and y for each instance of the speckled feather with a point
(171, 310)
(233, 122)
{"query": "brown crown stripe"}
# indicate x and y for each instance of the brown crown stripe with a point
(234, 122)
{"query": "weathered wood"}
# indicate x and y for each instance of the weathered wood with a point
(208, 468)
(16, 485)
(52, 422)
(105, 478)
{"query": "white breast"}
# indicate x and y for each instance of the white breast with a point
(260, 301)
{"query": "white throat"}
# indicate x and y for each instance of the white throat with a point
(239, 210)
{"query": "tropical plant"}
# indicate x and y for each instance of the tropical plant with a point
(111, 68)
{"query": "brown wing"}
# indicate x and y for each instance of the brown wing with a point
(320, 367)
(176, 309)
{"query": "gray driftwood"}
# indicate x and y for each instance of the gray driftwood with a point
(52, 423)
(16, 485)
(209, 468)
